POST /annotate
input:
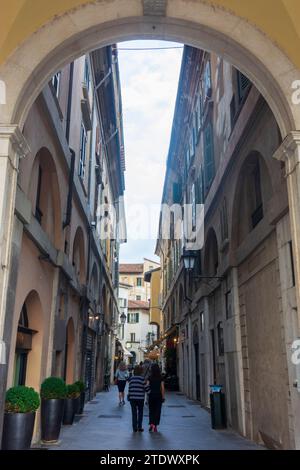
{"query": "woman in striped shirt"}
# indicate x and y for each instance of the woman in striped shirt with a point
(136, 396)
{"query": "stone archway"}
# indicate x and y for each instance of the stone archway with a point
(200, 24)
(29, 343)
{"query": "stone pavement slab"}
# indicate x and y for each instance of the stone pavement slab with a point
(184, 426)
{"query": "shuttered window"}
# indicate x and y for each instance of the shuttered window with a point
(193, 202)
(209, 169)
(207, 80)
(243, 84)
(199, 114)
(200, 187)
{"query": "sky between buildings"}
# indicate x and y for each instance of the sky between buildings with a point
(149, 80)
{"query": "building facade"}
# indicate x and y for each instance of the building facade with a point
(141, 325)
(66, 273)
(133, 274)
(140, 333)
(233, 314)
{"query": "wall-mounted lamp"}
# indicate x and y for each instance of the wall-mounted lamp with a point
(189, 257)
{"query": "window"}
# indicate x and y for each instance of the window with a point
(139, 281)
(132, 337)
(292, 263)
(192, 146)
(38, 212)
(207, 80)
(86, 75)
(123, 303)
(193, 203)
(150, 267)
(83, 145)
(200, 187)
(56, 83)
(243, 85)
(199, 114)
(232, 112)
(209, 169)
(220, 339)
(257, 213)
(187, 159)
(133, 317)
(138, 297)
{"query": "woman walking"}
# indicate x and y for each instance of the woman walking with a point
(156, 390)
(121, 377)
(136, 396)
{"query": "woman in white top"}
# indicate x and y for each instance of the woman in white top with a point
(121, 377)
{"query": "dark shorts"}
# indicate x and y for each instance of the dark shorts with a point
(121, 385)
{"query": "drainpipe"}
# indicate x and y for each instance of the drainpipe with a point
(70, 93)
(67, 220)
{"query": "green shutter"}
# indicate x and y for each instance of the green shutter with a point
(208, 156)
(199, 187)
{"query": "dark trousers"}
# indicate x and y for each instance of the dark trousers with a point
(154, 410)
(137, 409)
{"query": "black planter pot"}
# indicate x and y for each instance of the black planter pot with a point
(81, 403)
(51, 417)
(17, 431)
(69, 410)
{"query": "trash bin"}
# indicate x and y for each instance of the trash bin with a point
(217, 407)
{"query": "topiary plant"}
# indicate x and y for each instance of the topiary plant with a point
(73, 391)
(80, 385)
(21, 399)
(53, 387)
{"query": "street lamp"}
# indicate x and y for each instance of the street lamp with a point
(189, 257)
(123, 318)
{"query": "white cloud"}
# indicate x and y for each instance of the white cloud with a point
(149, 81)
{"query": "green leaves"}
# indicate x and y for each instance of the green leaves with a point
(80, 385)
(21, 399)
(73, 391)
(53, 387)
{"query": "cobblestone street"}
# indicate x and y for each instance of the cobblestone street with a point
(184, 425)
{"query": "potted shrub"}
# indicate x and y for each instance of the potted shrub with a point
(81, 399)
(21, 404)
(53, 392)
(72, 394)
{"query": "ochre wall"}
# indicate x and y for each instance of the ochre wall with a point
(278, 19)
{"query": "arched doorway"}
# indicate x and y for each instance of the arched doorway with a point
(69, 368)
(29, 343)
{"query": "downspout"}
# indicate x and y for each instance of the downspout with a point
(70, 93)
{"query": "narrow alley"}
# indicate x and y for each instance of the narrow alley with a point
(184, 425)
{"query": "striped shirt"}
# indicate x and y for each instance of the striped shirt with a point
(137, 388)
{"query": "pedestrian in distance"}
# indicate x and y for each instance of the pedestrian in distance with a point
(121, 377)
(156, 396)
(136, 396)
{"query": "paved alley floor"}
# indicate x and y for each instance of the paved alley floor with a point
(184, 425)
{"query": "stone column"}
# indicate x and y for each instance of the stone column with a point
(289, 153)
(12, 147)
